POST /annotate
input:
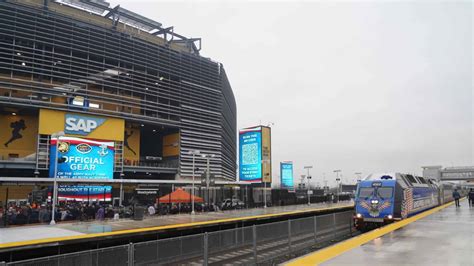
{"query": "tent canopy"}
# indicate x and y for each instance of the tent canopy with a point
(179, 196)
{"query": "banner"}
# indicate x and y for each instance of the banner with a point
(250, 154)
(82, 159)
(286, 173)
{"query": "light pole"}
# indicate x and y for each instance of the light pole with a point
(57, 136)
(121, 189)
(208, 174)
(194, 153)
(358, 174)
(264, 183)
(308, 177)
(337, 183)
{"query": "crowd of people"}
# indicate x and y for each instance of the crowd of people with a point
(15, 214)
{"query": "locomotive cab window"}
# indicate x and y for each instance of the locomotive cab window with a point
(365, 192)
(385, 192)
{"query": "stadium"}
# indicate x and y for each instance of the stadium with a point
(122, 82)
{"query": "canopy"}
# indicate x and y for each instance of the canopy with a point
(179, 196)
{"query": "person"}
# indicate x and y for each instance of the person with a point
(456, 197)
(151, 210)
(471, 197)
(100, 214)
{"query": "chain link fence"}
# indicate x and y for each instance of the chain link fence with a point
(243, 245)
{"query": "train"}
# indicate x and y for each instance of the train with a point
(384, 198)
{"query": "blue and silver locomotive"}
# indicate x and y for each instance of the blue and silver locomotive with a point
(384, 198)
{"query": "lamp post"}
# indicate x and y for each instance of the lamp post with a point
(308, 177)
(208, 174)
(121, 189)
(264, 163)
(337, 183)
(57, 136)
(194, 153)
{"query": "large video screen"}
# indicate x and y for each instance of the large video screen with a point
(286, 173)
(250, 154)
(83, 159)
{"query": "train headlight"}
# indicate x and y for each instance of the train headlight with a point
(359, 215)
(390, 217)
(374, 201)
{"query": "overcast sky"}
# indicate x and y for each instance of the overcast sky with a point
(356, 86)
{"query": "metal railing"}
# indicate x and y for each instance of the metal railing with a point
(243, 245)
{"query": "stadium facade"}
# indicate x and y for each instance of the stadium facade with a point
(108, 74)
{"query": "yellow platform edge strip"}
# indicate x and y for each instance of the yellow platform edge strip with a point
(328, 253)
(163, 227)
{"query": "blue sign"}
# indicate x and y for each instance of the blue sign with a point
(286, 173)
(81, 125)
(250, 155)
(83, 159)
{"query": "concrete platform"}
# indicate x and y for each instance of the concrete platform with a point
(445, 237)
(43, 234)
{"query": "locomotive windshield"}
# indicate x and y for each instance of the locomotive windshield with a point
(382, 192)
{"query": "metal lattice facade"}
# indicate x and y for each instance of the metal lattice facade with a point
(50, 51)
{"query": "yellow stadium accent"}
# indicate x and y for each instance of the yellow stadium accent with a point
(171, 145)
(51, 121)
(18, 136)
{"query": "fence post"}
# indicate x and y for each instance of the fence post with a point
(254, 233)
(315, 229)
(350, 224)
(131, 254)
(334, 225)
(206, 249)
(289, 236)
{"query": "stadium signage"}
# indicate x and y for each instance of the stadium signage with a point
(81, 125)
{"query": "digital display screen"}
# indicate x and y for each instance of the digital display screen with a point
(250, 155)
(286, 173)
(83, 159)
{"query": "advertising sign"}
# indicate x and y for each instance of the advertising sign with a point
(81, 126)
(83, 159)
(286, 173)
(266, 155)
(250, 154)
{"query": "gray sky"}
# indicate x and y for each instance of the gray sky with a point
(357, 86)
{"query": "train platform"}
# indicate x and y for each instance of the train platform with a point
(39, 235)
(440, 236)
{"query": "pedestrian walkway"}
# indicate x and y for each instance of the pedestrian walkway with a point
(445, 237)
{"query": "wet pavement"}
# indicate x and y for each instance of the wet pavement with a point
(443, 238)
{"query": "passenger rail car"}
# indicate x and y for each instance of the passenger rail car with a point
(384, 198)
